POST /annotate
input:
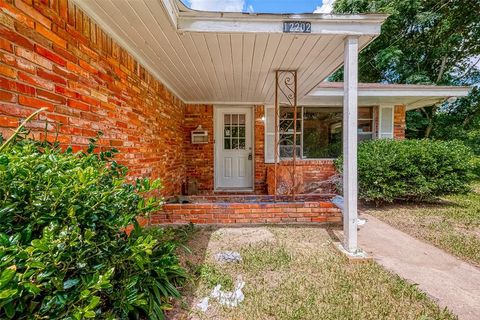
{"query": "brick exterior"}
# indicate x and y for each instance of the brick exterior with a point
(54, 56)
(260, 212)
(199, 157)
(399, 122)
(260, 167)
(309, 176)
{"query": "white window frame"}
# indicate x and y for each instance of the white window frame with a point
(268, 158)
(271, 159)
(381, 134)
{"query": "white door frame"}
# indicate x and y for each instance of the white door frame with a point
(216, 143)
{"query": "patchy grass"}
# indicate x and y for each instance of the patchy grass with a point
(452, 224)
(295, 273)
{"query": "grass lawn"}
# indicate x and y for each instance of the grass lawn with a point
(453, 224)
(294, 272)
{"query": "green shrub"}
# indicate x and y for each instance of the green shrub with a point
(63, 251)
(476, 167)
(414, 170)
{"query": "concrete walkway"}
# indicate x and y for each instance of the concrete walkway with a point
(451, 282)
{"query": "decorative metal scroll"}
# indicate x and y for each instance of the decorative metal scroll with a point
(287, 87)
(285, 95)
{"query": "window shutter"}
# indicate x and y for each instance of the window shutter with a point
(269, 134)
(385, 128)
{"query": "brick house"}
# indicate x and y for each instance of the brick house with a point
(149, 73)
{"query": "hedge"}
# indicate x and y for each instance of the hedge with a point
(413, 170)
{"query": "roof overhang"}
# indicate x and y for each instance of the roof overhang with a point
(212, 57)
(412, 96)
(189, 20)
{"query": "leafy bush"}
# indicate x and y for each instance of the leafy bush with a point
(413, 170)
(63, 251)
(476, 166)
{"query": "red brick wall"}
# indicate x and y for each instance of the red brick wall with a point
(309, 176)
(52, 55)
(260, 212)
(399, 123)
(199, 157)
(260, 167)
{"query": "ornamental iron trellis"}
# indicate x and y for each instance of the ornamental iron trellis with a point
(285, 95)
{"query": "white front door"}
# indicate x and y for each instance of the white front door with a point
(233, 148)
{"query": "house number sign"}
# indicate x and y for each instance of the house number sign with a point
(297, 27)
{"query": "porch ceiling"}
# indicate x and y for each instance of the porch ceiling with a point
(412, 96)
(206, 57)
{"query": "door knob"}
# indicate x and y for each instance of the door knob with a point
(250, 156)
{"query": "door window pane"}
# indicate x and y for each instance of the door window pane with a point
(234, 119)
(234, 143)
(234, 131)
(227, 144)
(226, 119)
(241, 132)
(241, 144)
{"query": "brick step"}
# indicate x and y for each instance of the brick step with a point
(260, 212)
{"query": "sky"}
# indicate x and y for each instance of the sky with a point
(263, 6)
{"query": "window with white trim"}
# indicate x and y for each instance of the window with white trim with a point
(319, 131)
(385, 122)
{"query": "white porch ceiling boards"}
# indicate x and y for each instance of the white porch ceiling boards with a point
(206, 57)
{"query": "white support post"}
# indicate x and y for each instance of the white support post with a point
(350, 124)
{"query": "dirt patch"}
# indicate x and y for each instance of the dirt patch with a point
(241, 236)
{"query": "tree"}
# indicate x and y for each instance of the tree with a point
(422, 42)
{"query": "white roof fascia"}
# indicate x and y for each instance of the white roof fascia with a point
(395, 92)
(249, 23)
(189, 20)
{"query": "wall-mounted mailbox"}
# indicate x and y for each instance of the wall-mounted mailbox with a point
(199, 135)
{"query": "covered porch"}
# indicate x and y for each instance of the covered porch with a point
(224, 68)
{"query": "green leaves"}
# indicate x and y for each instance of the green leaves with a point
(414, 170)
(7, 275)
(63, 251)
(70, 283)
(7, 293)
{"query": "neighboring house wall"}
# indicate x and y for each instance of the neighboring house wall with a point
(56, 57)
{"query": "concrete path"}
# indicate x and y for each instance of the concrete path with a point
(451, 282)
